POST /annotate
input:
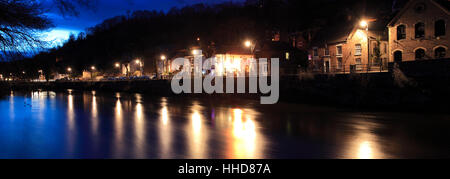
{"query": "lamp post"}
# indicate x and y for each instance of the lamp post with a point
(163, 58)
(92, 72)
(69, 70)
(139, 62)
(250, 45)
(117, 66)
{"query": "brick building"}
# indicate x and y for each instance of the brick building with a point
(344, 49)
(419, 31)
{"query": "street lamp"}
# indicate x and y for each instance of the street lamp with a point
(248, 43)
(69, 69)
(117, 65)
(139, 62)
(195, 52)
(92, 68)
(363, 23)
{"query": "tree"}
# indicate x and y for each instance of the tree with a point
(21, 22)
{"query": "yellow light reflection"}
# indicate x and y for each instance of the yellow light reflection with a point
(197, 135)
(244, 137)
(139, 128)
(165, 133)
(365, 151)
(70, 111)
(196, 122)
(164, 115)
(363, 144)
(94, 113)
(118, 127)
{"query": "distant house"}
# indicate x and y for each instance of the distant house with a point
(344, 49)
(232, 59)
(420, 31)
(286, 53)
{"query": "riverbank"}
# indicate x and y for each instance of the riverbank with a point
(377, 91)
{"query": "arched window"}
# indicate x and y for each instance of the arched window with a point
(420, 54)
(398, 56)
(439, 52)
(401, 32)
(439, 28)
(420, 30)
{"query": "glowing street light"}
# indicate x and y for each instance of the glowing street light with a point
(138, 62)
(364, 24)
(92, 67)
(69, 69)
(163, 57)
(248, 43)
(195, 52)
(117, 65)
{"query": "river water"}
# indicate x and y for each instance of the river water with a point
(90, 124)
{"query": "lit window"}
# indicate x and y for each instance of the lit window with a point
(439, 28)
(358, 49)
(287, 55)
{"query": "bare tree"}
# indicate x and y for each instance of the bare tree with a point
(21, 22)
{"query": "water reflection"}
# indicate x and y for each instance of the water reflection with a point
(94, 114)
(244, 139)
(363, 144)
(165, 131)
(139, 128)
(197, 136)
(119, 125)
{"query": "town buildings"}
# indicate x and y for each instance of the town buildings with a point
(419, 31)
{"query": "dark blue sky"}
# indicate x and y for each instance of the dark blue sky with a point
(106, 9)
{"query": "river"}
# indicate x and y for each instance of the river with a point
(45, 124)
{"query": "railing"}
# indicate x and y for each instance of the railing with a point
(358, 68)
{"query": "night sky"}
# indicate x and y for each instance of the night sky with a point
(64, 26)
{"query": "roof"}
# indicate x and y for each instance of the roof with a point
(233, 50)
(442, 4)
(342, 32)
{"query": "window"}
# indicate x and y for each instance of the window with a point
(439, 28)
(439, 52)
(398, 56)
(358, 49)
(420, 30)
(339, 63)
(358, 64)
(338, 50)
(315, 52)
(420, 54)
(287, 55)
(327, 52)
(401, 32)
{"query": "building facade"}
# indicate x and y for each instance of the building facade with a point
(349, 52)
(419, 32)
